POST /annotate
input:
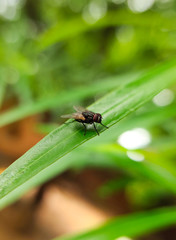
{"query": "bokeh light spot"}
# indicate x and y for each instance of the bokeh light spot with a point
(164, 98)
(140, 5)
(135, 139)
(123, 238)
(135, 156)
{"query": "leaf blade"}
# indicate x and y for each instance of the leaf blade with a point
(64, 139)
(127, 226)
(76, 94)
(71, 28)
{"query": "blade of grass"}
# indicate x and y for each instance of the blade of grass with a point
(72, 160)
(145, 169)
(39, 106)
(64, 139)
(132, 225)
(145, 119)
(70, 28)
(111, 157)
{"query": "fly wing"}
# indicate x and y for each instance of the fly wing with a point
(68, 116)
(77, 116)
(80, 109)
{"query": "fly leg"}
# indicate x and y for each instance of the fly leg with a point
(103, 125)
(95, 128)
(85, 129)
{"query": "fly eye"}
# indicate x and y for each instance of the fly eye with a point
(99, 118)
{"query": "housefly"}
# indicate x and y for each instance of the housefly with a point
(83, 116)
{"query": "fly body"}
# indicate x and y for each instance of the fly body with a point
(85, 116)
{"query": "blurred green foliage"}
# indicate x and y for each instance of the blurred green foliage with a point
(58, 53)
(79, 41)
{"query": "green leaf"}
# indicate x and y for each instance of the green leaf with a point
(72, 27)
(132, 225)
(64, 139)
(111, 186)
(146, 169)
(76, 94)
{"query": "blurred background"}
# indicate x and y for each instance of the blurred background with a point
(58, 53)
